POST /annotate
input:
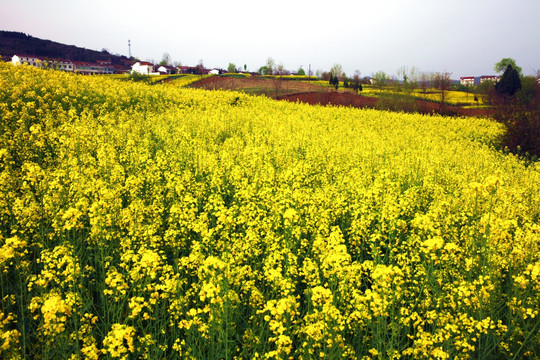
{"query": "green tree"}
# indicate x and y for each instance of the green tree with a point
(509, 83)
(231, 68)
(334, 81)
(529, 89)
(503, 65)
(301, 72)
(380, 78)
(137, 77)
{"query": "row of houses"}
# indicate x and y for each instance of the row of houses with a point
(475, 80)
(87, 68)
(106, 67)
(147, 68)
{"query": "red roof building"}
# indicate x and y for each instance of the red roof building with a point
(466, 80)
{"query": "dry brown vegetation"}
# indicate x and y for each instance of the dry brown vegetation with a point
(298, 91)
(258, 85)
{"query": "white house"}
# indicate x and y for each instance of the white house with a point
(163, 69)
(26, 59)
(143, 67)
(488, 78)
(85, 68)
(58, 64)
(466, 80)
(80, 67)
(213, 72)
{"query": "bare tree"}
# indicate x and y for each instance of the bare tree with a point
(270, 64)
(424, 81)
(337, 71)
(356, 81)
(402, 74)
(278, 73)
(199, 69)
(409, 76)
(413, 79)
(166, 59)
(442, 81)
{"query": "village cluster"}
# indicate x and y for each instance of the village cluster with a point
(472, 80)
(147, 68)
(107, 67)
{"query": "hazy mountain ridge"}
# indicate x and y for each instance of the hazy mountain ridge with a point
(17, 43)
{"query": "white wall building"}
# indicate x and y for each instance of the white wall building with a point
(58, 64)
(166, 69)
(489, 78)
(80, 67)
(143, 67)
(466, 80)
(26, 59)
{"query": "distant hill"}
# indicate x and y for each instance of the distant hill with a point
(12, 43)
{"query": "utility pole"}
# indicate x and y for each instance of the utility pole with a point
(309, 74)
(129, 46)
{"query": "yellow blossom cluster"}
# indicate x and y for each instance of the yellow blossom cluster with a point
(153, 221)
(119, 342)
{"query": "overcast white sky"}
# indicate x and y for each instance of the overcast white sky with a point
(464, 37)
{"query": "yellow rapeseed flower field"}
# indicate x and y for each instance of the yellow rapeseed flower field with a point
(141, 221)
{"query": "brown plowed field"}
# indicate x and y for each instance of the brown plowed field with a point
(351, 99)
(332, 98)
(296, 91)
(258, 85)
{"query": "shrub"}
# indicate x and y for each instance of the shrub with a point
(517, 105)
(138, 77)
(397, 102)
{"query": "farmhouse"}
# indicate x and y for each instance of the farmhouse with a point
(488, 78)
(85, 68)
(58, 64)
(144, 67)
(466, 80)
(92, 68)
(166, 70)
(25, 59)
